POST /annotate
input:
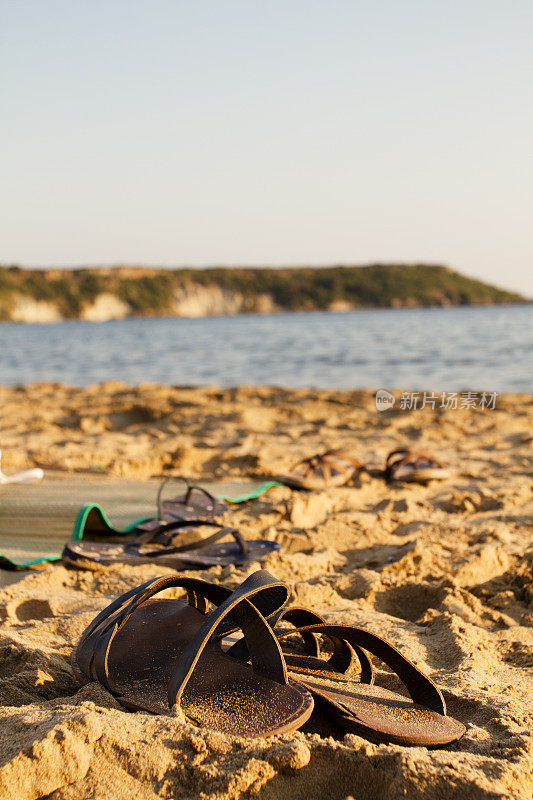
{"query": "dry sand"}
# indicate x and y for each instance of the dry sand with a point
(443, 571)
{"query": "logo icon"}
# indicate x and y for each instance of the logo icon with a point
(384, 400)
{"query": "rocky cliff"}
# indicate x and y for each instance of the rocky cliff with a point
(100, 294)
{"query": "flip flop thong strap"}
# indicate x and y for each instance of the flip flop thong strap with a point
(166, 535)
(191, 488)
(164, 482)
(265, 653)
(420, 687)
(160, 531)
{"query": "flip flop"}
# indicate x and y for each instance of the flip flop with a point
(156, 546)
(196, 503)
(413, 466)
(377, 714)
(162, 655)
(332, 468)
(27, 476)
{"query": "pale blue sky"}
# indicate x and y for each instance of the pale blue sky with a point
(246, 132)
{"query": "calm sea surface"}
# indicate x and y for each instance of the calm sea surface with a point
(449, 349)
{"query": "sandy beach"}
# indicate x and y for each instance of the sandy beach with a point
(443, 571)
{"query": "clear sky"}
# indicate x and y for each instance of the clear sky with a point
(173, 132)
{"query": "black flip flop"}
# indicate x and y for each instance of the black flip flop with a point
(196, 503)
(157, 546)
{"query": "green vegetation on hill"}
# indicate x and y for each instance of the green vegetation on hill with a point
(376, 285)
(153, 292)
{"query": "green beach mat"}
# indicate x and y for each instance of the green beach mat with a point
(36, 520)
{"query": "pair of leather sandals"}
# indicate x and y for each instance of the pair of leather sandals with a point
(337, 468)
(224, 660)
(186, 534)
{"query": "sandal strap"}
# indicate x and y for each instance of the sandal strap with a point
(344, 456)
(342, 657)
(398, 458)
(191, 488)
(295, 615)
(111, 614)
(218, 595)
(160, 531)
(298, 617)
(340, 660)
(396, 455)
(328, 461)
(265, 652)
(196, 593)
(164, 536)
(199, 592)
(421, 688)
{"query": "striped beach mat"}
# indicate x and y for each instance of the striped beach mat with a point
(36, 520)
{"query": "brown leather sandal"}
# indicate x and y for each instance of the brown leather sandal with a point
(332, 468)
(164, 655)
(361, 707)
(413, 466)
(355, 703)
